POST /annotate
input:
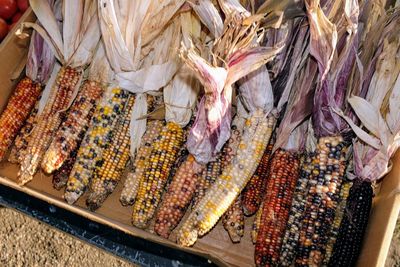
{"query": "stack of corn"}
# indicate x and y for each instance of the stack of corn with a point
(73, 57)
(114, 159)
(253, 193)
(96, 140)
(22, 139)
(131, 185)
(283, 173)
(177, 197)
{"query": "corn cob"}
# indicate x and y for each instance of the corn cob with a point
(17, 111)
(284, 171)
(325, 183)
(178, 197)
(215, 168)
(60, 176)
(253, 192)
(233, 179)
(97, 139)
(344, 193)
(352, 229)
(49, 121)
(256, 224)
(133, 178)
(115, 157)
(22, 139)
(233, 220)
(73, 129)
(157, 169)
(291, 237)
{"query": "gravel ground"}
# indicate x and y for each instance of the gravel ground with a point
(27, 242)
(46, 246)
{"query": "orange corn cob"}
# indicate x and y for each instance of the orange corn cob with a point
(233, 220)
(178, 197)
(60, 176)
(17, 111)
(49, 121)
(131, 184)
(284, 171)
(254, 191)
(256, 224)
(73, 129)
(22, 139)
(163, 155)
(109, 170)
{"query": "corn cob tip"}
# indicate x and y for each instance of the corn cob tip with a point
(58, 185)
(188, 238)
(71, 197)
(49, 162)
(25, 175)
(96, 199)
(126, 201)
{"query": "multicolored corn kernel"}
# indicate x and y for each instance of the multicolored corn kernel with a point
(61, 175)
(73, 128)
(233, 220)
(352, 229)
(292, 232)
(177, 197)
(48, 122)
(253, 193)
(96, 140)
(214, 168)
(22, 139)
(344, 194)
(17, 111)
(325, 182)
(284, 171)
(131, 184)
(109, 170)
(224, 191)
(256, 224)
(151, 186)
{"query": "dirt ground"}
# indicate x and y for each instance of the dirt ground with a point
(27, 242)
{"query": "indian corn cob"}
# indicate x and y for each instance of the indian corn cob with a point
(96, 140)
(351, 232)
(49, 121)
(22, 139)
(292, 232)
(284, 171)
(256, 224)
(73, 129)
(60, 176)
(151, 186)
(114, 159)
(344, 194)
(131, 184)
(233, 220)
(233, 179)
(214, 168)
(178, 196)
(17, 111)
(325, 183)
(253, 192)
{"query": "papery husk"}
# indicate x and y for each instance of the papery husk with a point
(234, 55)
(181, 94)
(41, 58)
(100, 70)
(278, 11)
(334, 71)
(208, 15)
